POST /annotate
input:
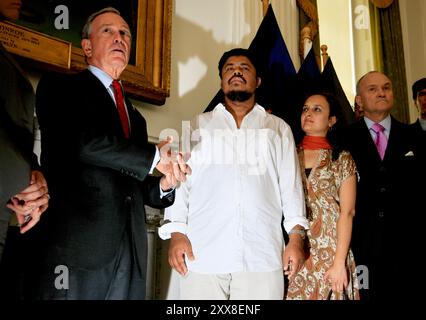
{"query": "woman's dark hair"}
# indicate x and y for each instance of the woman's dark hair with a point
(335, 133)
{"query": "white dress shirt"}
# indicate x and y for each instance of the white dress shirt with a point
(423, 123)
(243, 181)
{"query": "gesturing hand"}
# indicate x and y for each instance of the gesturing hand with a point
(172, 165)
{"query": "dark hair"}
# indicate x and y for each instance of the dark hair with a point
(418, 86)
(335, 133)
(237, 52)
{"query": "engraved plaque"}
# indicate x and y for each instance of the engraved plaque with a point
(31, 44)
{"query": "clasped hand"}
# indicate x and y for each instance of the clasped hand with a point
(31, 202)
(173, 165)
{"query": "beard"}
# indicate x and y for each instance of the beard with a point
(239, 96)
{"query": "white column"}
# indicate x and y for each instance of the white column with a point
(414, 45)
(287, 14)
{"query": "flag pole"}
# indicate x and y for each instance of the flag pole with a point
(265, 4)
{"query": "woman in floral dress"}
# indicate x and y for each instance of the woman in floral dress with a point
(329, 178)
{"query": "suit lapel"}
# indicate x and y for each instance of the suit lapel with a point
(100, 97)
(137, 122)
(95, 86)
(391, 148)
(395, 148)
(370, 148)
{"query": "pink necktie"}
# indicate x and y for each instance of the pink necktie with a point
(121, 108)
(381, 139)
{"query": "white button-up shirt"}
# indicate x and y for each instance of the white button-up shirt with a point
(243, 181)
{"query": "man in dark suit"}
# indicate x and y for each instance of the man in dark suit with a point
(97, 160)
(23, 188)
(20, 179)
(383, 150)
(419, 127)
(419, 97)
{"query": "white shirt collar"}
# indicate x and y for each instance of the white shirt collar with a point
(257, 108)
(423, 123)
(386, 123)
(104, 77)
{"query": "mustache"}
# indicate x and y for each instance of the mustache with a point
(237, 76)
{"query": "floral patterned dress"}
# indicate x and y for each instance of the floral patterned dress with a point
(322, 200)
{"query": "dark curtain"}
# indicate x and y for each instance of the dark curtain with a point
(387, 35)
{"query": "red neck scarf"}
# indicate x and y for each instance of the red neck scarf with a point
(315, 143)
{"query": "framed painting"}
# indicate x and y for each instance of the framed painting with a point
(37, 37)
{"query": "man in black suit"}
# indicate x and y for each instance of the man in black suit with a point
(419, 97)
(419, 127)
(20, 179)
(386, 198)
(23, 188)
(97, 160)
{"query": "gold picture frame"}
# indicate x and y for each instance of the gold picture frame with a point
(147, 79)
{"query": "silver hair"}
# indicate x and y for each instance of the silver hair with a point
(87, 29)
(358, 84)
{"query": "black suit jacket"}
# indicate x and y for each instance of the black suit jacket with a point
(385, 204)
(98, 180)
(420, 140)
(16, 129)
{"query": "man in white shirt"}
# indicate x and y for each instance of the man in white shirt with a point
(225, 226)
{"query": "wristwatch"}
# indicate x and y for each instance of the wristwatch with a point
(300, 232)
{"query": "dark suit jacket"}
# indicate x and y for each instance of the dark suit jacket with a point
(385, 203)
(420, 140)
(98, 180)
(16, 128)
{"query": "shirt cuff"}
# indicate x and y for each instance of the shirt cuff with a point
(166, 230)
(155, 161)
(164, 193)
(294, 222)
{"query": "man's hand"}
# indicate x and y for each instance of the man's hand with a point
(31, 202)
(293, 257)
(179, 246)
(172, 165)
